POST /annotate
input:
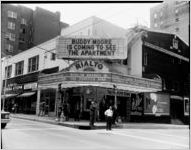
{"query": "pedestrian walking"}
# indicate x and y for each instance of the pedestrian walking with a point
(109, 114)
(92, 113)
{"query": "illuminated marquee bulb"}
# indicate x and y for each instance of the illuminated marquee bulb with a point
(153, 97)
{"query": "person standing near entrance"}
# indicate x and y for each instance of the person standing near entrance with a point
(42, 107)
(109, 114)
(92, 113)
(66, 110)
(77, 112)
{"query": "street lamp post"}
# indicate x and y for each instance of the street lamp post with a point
(62, 93)
(115, 101)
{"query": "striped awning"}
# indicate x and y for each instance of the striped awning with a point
(8, 95)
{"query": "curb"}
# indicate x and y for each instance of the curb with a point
(119, 126)
(82, 127)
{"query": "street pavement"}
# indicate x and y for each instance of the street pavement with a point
(26, 134)
(84, 124)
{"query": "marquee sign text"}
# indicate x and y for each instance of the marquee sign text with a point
(94, 48)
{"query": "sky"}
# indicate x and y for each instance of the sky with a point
(122, 14)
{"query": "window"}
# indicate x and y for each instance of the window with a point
(19, 68)
(9, 48)
(33, 64)
(12, 14)
(10, 36)
(177, 19)
(155, 16)
(145, 59)
(155, 25)
(8, 71)
(53, 56)
(176, 12)
(11, 25)
(21, 39)
(22, 30)
(23, 21)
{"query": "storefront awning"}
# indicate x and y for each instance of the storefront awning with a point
(106, 80)
(176, 97)
(8, 95)
(126, 87)
(27, 94)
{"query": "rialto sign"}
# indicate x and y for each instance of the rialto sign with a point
(91, 48)
(88, 65)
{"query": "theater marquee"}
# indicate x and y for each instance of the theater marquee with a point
(91, 48)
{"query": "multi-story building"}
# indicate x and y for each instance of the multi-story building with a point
(169, 57)
(172, 17)
(23, 28)
(20, 73)
(149, 81)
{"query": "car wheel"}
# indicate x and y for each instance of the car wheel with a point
(3, 125)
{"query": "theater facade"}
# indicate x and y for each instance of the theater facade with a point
(88, 84)
(102, 78)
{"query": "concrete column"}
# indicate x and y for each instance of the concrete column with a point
(56, 103)
(38, 101)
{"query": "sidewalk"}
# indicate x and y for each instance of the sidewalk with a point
(98, 125)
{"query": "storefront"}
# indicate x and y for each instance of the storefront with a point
(78, 89)
(93, 77)
(22, 91)
(27, 100)
(150, 107)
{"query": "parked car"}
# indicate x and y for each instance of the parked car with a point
(5, 118)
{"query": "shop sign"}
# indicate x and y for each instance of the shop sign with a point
(100, 77)
(118, 93)
(32, 86)
(88, 65)
(156, 104)
(136, 81)
(91, 48)
(91, 77)
(14, 87)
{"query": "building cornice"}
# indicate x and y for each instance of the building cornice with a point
(160, 49)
